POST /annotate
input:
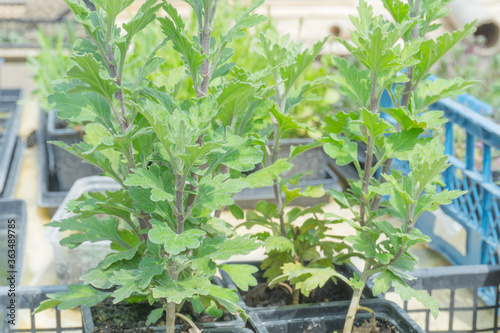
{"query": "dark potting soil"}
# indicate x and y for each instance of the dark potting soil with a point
(262, 296)
(131, 318)
(382, 326)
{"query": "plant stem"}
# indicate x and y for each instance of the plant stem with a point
(354, 306)
(189, 321)
(170, 317)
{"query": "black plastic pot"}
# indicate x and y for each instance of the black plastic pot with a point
(347, 269)
(236, 324)
(10, 117)
(314, 160)
(12, 229)
(328, 317)
(67, 167)
(58, 169)
(14, 169)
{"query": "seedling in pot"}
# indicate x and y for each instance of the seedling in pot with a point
(401, 69)
(292, 247)
(166, 154)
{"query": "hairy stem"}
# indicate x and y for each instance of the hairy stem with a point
(170, 317)
(354, 306)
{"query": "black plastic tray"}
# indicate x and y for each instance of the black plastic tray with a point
(235, 325)
(27, 300)
(10, 117)
(348, 269)
(12, 210)
(66, 166)
(328, 317)
(14, 170)
(10, 95)
(55, 176)
(463, 286)
(314, 160)
(49, 195)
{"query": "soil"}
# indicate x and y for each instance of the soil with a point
(382, 326)
(131, 318)
(262, 296)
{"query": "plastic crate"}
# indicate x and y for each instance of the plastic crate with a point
(12, 210)
(26, 300)
(10, 117)
(459, 290)
(73, 263)
(14, 170)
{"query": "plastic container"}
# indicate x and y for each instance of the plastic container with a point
(328, 317)
(15, 168)
(26, 300)
(12, 213)
(314, 160)
(235, 324)
(10, 95)
(10, 117)
(347, 269)
(461, 287)
(66, 166)
(49, 195)
(73, 263)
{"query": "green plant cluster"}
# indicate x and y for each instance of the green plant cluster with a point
(181, 154)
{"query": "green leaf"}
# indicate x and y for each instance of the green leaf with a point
(308, 192)
(343, 150)
(266, 176)
(291, 73)
(236, 152)
(173, 28)
(220, 248)
(178, 291)
(236, 211)
(406, 293)
(306, 279)
(241, 275)
(85, 107)
(353, 82)
(91, 229)
(244, 21)
(216, 192)
(118, 256)
(382, 282)
(76, 296)
(286, 122)
(160, 180)
(433, 50)
(401, 143)
(148, 269)
(125, 280)
(339, 198)
(297, 150)
(398, 9)
(154, 316)
(279, 244)
(93, 76)
(172, 242)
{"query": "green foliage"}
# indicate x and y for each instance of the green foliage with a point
(377, 47)
(175, 156)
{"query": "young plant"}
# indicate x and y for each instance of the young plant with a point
(293, 248)
(401, 69)
(166, 154)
